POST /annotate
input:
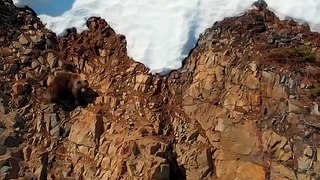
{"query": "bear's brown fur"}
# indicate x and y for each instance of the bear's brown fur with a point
(66, 82)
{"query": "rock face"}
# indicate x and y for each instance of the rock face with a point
(243, 106)
(87, 131)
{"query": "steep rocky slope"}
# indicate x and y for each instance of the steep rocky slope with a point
(243, 106)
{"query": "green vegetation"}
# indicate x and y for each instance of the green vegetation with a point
(315, 92)
(305, 53)
(295, 54)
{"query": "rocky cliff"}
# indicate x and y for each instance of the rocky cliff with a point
(243, 106)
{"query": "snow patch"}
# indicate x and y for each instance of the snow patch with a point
(160, 33)
(307, 11)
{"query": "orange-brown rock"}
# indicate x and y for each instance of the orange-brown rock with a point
(243, 106)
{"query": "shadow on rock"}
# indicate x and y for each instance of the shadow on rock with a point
(176, 172)
(69, 103)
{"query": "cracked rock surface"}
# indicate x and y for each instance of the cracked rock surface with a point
(244, 105)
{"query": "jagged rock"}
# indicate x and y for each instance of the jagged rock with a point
(51, 120)
(20, 88)
(25, 59)
(205, 161)
(161, 170)
(241, 140)
(306, 160)
(279, 146)
(279, 171)
(261, 4)
(3, 109)
(4, 105)
(135, 149)
(27, 152)
(5, 169)
(293, 107)
(52, 60)
(37, 39)
(23, 40)
(142, 82)
(156, 148)
(237, 93)
(17, 45)
(55, 131)
(304, 177)
(240, 170)
(87, 131)
(19, 100)
(35, 64)
(27, 51)
(315, 109)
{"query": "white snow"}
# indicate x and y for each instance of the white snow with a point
(300, 10)
(160, 33)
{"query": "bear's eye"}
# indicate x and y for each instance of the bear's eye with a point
(85, 81)
(78, 82)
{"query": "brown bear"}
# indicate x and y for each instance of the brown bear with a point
(64, 83)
